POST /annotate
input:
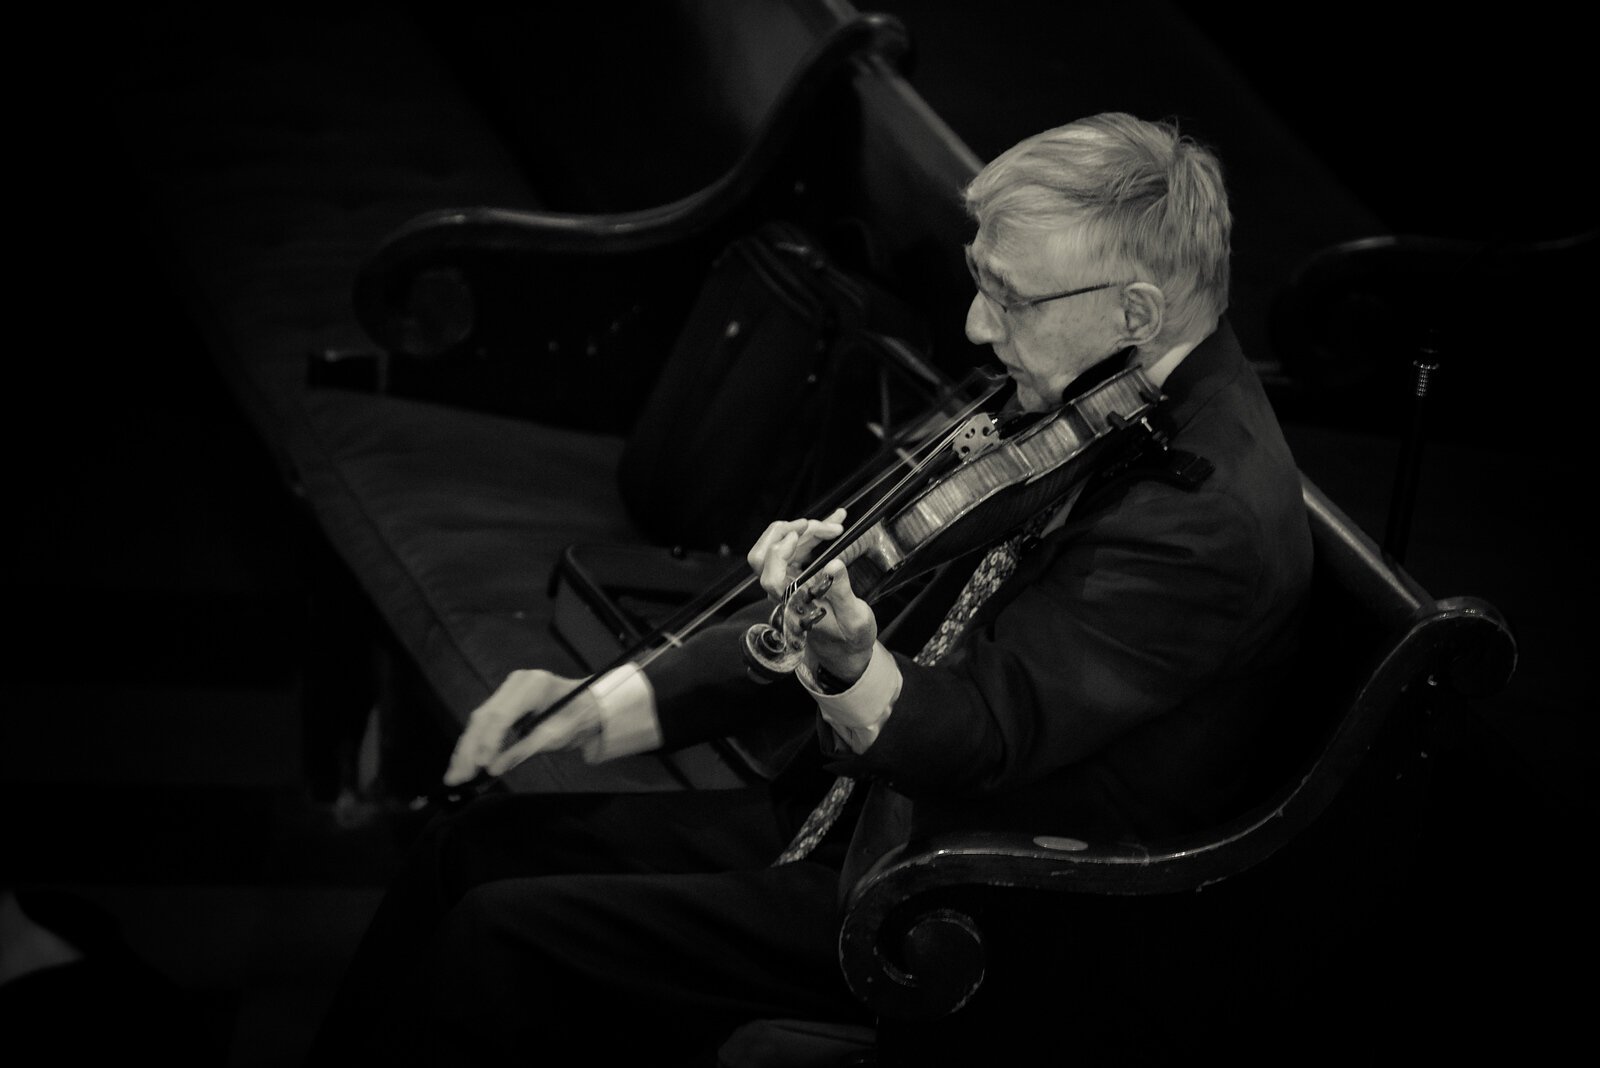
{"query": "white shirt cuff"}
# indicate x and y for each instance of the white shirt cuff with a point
(628, 720)
(859, 713)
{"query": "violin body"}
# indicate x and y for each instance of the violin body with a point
(975, 495)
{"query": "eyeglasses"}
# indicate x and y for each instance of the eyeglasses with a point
(1022, 302)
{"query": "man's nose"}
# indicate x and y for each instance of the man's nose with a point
(983, 322)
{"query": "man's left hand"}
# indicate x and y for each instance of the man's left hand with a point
(841, 626)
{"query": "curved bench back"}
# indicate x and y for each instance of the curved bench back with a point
(789, 141)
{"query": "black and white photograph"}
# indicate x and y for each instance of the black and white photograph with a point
(798, 534)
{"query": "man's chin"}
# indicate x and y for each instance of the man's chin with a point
(1030, 400)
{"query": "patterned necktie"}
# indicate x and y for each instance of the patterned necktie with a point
(996, 566)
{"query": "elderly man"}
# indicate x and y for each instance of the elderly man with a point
(1100, 673)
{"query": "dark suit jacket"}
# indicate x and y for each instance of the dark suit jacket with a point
(1114, 685)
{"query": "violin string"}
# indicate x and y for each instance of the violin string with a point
(931, 445)
(931, 449)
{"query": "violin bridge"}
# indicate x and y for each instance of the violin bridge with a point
(976, 436)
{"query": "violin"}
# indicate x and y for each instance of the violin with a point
(995, 474)
(973, 483)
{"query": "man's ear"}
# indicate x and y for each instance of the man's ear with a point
(1144, 309)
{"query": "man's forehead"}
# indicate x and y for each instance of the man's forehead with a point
(1019, 259)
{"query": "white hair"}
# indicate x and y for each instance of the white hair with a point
(1136, 195)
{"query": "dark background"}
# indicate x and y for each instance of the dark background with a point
(1441, 121)
(150, 763)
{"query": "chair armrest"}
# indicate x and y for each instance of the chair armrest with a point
(911, 949)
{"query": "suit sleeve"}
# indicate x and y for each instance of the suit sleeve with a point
(704, 691)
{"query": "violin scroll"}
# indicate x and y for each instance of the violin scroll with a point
(775, 648)
(768, 654)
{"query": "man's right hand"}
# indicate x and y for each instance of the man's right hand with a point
(478, 748)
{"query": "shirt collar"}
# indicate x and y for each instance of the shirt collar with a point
(1158, 371)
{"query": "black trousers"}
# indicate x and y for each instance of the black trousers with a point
(527, 928)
